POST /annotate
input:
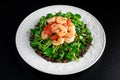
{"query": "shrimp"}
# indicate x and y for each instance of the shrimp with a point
(69, 39)
(54, 37)
(53, 25)
(65, 25)
(44, 35)
(59, 41)
(51, 20)
(59, 29)
(70, 32)
(71, 29)
(71, 25)
(61, 20)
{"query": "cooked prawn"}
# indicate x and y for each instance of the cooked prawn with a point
(44, 35)
(70, 32)
(58, 41)
(59, 29)
(71, 25)
(51, 20)
(61, 20)
(69, 39)
(63, 28)
(53, 25)
(54, 37)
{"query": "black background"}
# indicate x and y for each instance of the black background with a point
(12, 67)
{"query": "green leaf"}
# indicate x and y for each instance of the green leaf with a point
(54, 56)
(82, 46)
(46, 44)
(42, 22)
(81, 37)
(59, 14)
(76, 23)
(34, 43)
(73, 54)
(87, 31)
(77, 16)
(83, 41)
(82, 25)
(49, 15)
(73, 45)
(40, 46)
(64, 51)
(90, 39)
(48, 52)
(69, 15)
(37, 37)
(68, 56)
(33, 31)
(61, 56)
(78, 30)
(55, 48)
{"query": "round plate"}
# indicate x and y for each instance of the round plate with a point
(29, 56)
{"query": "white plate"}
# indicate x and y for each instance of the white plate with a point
(37, 62)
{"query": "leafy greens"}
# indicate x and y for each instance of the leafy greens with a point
(69, 52)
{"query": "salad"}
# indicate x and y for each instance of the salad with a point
(61, 37)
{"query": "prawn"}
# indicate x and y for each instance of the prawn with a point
(51, 20)
(44, 35)
(61, 20)
(53, 25)
(69, 39)
(58, 41)
(70, 32)
(59, 29)
(71, 25)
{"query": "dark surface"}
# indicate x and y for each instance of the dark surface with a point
(12, 67)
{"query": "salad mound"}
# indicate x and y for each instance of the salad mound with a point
(60, 37)
(60, 30)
